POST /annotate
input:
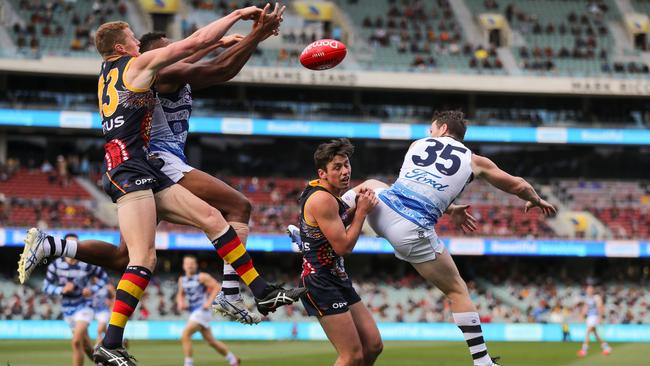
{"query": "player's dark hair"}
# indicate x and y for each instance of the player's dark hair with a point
(328, 150)
(71, 235)
(148, 40)
(455, 121)
(190, 256)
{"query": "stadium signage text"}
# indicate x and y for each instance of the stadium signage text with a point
(604, 86)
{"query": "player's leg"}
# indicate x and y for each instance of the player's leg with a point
(40, 245)
(101, 329)
(136, 214)
(186, 341)
(177, 204)
(236, 209)
(88, 346)
(606, 349)
(219, 346)
(342, 333)
(585, 344)
(79, 335)
(443, 273)
(368, 333)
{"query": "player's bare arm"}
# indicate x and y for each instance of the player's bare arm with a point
(180, 297)
(225, 66)
(143, 70)
(323, 209)
(212, 285)
(486, 169)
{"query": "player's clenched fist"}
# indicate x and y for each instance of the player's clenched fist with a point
(366, 201)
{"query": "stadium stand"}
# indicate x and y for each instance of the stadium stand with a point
(418, 35)
(561, 37)
(55, 27)
(524, 294)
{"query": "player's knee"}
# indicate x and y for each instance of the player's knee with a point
(241, 210)
(77, 342)
(122, 258)
(353, 357)
(373, 349)
(212, 220)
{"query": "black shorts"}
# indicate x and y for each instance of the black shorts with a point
(135, 174)
(328, 294)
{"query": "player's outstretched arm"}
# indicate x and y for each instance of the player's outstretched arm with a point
(324, 209)
(485, 168)
(212, 285)
(227, 65)
(144, 68)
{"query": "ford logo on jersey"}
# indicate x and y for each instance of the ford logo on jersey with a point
(422, 176)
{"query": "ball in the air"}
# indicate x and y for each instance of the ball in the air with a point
(323, 54)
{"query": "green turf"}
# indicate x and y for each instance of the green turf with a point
(55, 353)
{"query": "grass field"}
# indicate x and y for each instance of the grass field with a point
(56, 353)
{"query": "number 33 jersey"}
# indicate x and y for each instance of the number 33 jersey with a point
(435, 171)
(126, 113)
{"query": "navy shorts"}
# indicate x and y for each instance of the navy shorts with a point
(135, 174)
(328, 294)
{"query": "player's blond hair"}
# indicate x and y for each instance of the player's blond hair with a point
(109, 34)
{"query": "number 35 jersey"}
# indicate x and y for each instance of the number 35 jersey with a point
(126, 113)
(435, 171)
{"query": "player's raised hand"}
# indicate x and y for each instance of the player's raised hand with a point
(547, 208)
(366, 201)
(268, 23)
(461, 217)
(250, 13)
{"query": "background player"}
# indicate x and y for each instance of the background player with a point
(323, 221)
(75, 282)
(102, 303)
(593, 310)
(196, 291)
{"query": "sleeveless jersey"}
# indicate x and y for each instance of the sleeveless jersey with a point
(194, 291)
(435, 171)
(318, 254)
(126, 114)
(170, 134)
(60, 272)
(592, 306)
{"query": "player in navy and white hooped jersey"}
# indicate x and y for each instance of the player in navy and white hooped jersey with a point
(593, 310)
(196, 292)
(75, 282)
(102, 303)
(434, 173)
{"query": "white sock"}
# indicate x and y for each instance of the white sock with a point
(60, 247)
(231, 358)
(470, 324)
(230, 283)
(604, 345)
(188, 361)
(70, 249)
